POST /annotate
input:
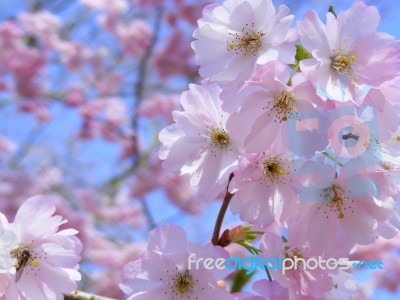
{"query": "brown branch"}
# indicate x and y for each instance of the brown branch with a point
(221, 214)
(78, 295)
(140, 83)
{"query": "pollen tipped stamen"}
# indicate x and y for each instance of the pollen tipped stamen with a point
(183, 283)
(343, 63)
(247, 41)
(283, 106)
(220, 138)
(274, 170)
(335, 200)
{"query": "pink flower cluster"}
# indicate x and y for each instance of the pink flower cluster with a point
(305, 120)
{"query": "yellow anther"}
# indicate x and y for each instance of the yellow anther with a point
(35, 263)
(281, 172)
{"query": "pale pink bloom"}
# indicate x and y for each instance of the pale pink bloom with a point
(180, 192)
(159, 105)
(346, 205)
(42, 25)
(349, 57)
(104, 117)
(389, 91)
(185, 10)
(75, 95)
(112, 7)
(163, 272)
(269, 104)
(301, 283)
(266, 188)
(344, 286)
(143, 182)
(22, 61)
(198, 144)
(72, 54)
(135, 37)
(235, 36)
(175, 58)
(52, 256)
(122, 210)
(389, 277)
(111, 257)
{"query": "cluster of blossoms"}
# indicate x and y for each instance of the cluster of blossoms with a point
(37, 260)
(299, 128)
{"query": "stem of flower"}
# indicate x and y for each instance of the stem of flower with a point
(221, 214)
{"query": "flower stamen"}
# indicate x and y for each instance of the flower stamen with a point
(247, 41)
(335, 200)
(342, 62)
(220, 138)
(183, 283)
(283, 106)
(273, 169)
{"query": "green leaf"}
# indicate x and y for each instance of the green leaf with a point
(240, 280)
(302, 53)
(332, 11)
(249, 247)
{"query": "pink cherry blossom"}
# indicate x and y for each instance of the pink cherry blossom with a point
(135, 37)
(114, 7)
(301, 283)
(348, 57)
(163, 271)
(236, 35)
(50, 257)
(266, 188)
(159, 105)
(198, 144)
(173, 58)
(347, 205)
(43, 26)
(269, 104)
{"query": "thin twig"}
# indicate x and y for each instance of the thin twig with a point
(221, 214)
(78, 295)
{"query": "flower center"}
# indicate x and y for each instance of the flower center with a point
(342, 62)
(398, 138)
(220, 138)
(283, 106)
(274, 169)
(183, 283)
(335, 200)
(247, 41)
